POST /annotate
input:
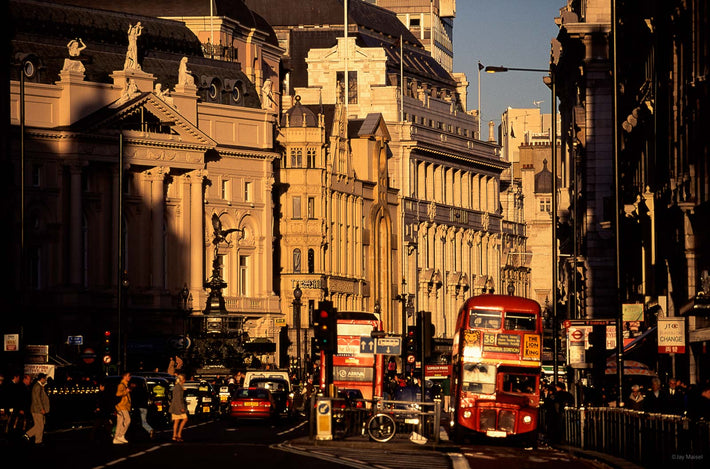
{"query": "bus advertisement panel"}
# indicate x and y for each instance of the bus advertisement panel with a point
(496, 360)
(355, 366)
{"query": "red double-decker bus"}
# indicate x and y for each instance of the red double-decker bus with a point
(496, 367)
(355, 365)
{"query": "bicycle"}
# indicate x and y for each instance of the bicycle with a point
(381, 427)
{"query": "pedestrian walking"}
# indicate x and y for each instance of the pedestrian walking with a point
(171, 366)
(103, 415)
(655, 399)
(178, 408)
(675, 398)
(139, 399)
(39, 408)
(635, 400)
(123, 409)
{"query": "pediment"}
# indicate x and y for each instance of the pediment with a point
(148, 115)
(374, 126)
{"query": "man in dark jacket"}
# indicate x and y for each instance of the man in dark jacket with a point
(103, 415)
(655, 400)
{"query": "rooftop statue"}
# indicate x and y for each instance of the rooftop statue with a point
(75, 46)
(185, 78)
(134, 31)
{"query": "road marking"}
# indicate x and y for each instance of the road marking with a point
(292, 429)
(458, 461)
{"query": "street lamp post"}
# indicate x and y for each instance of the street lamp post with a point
(297, 293)
(549, 81)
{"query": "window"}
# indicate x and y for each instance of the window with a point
(352, 85)
(479, 378)
(225, 189)
(519, 322)
(244, 287)
(311, 157)
(247, 192)
(36, 175)
(414, 22)
(297, 260)
(34, 255)
(546, 204)
(311, 208)
(296, 157)
(482, 319)
(311, 261)
(523, 384)
(296, 209)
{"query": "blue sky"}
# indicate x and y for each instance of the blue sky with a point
(512, 33)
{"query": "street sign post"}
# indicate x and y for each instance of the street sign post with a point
(388, 345)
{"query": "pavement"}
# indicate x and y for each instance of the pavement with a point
(360, 452)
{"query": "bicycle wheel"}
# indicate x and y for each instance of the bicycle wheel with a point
(381, 428)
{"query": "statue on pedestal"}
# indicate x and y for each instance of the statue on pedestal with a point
(134, 31)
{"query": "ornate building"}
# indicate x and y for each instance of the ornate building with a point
(449, 234)
(337, 213)
(662, 152)
(119, 160)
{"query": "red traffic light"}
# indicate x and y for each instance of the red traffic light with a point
(323, 314)
(107, 334)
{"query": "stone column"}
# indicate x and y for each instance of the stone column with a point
(156, 177)
(75, 224)
(197, 245)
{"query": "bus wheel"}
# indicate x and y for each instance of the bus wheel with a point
(381, 428)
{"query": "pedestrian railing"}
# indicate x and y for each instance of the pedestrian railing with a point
(651, 440)
(350, 420)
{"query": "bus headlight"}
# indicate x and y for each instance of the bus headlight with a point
(527, 419)
(467, 414)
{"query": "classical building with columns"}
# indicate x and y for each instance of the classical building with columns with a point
(119, 160)
(450, 237)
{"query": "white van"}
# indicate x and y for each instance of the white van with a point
(280, 374)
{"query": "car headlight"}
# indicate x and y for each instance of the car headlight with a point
(527, 419)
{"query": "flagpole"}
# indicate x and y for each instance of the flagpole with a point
(479, 99)
(401, 79)
(346, 79)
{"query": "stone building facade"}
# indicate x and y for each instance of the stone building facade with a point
(449, 234)
(126, 160)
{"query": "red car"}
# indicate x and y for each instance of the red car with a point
(252, 403)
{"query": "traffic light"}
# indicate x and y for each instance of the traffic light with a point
(107, 347)
(325, 325)
(426, 329)
(410, 349)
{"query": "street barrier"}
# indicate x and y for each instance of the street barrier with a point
(650, 440)
(423, 418)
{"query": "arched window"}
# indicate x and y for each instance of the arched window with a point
(311, 261)
(296, 260)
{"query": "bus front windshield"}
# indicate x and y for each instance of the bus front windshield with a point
(519, 383)
(479, 378)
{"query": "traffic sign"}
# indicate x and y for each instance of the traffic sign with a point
(388, 346)
(88, 355)
(367, 344)
(75, 340)
(107, 359)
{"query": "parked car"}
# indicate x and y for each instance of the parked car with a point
(252, 403)
(280, 392)
(201, 398)
(161, 392)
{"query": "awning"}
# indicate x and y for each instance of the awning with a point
(631, 367)
(637, 340)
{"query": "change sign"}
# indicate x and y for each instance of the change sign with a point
(671, 335)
